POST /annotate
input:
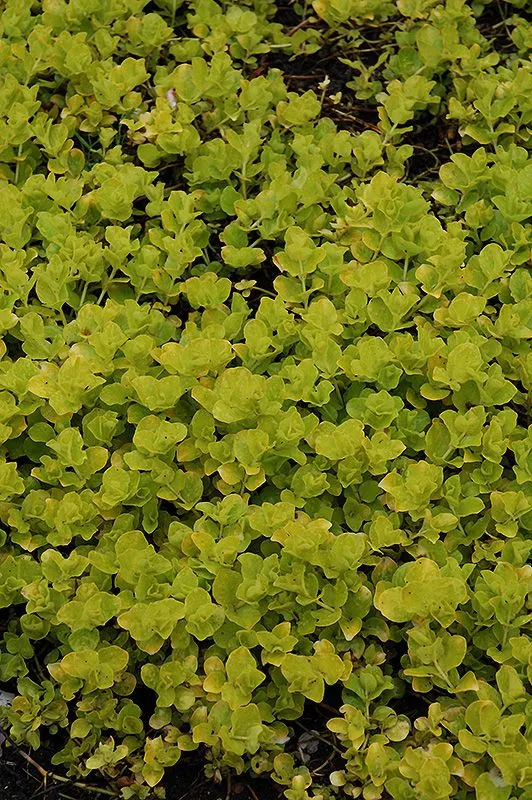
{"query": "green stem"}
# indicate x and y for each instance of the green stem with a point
(378, 250)
(338, 392)
(83, 294)
(443, 676)
(106, 285)
(243, 181)
(80, 785)
(390, 133)
(17, 167)
(505, 637)
(21, 145)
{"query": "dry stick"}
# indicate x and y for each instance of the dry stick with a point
(351, 107)
(45, 792)
(193, 785)
(302, 24)
(317, 735)
(355, 119)
(30, 774)
(80, 785)
(52, 776)
(42, 792)
(30, 760)
(252, 792)
(317, 771)
(327, 707)
(228, 793)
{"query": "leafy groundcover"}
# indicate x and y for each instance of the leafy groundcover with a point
(265, 384)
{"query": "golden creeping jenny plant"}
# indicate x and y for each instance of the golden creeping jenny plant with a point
(265, 397)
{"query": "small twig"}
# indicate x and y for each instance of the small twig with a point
(42, 792)
(302, 24)
(317, 735)
(192, 786)
(252, 792)
(79, 785)
(51, 776)
(328, 101)
(321, 766)
(356, 120)
(302, 77)
(39, 669)
(327, 707)
(228, 793)
(30, 760)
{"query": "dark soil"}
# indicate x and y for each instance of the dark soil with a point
(305, 72)
(22, 778)
(494, 25)
(29, 775)
(25, 776)
(189, 783)
(432, 138)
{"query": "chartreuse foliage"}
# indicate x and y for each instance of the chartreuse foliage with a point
(264, 400)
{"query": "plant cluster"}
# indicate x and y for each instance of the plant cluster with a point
(264, 398)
